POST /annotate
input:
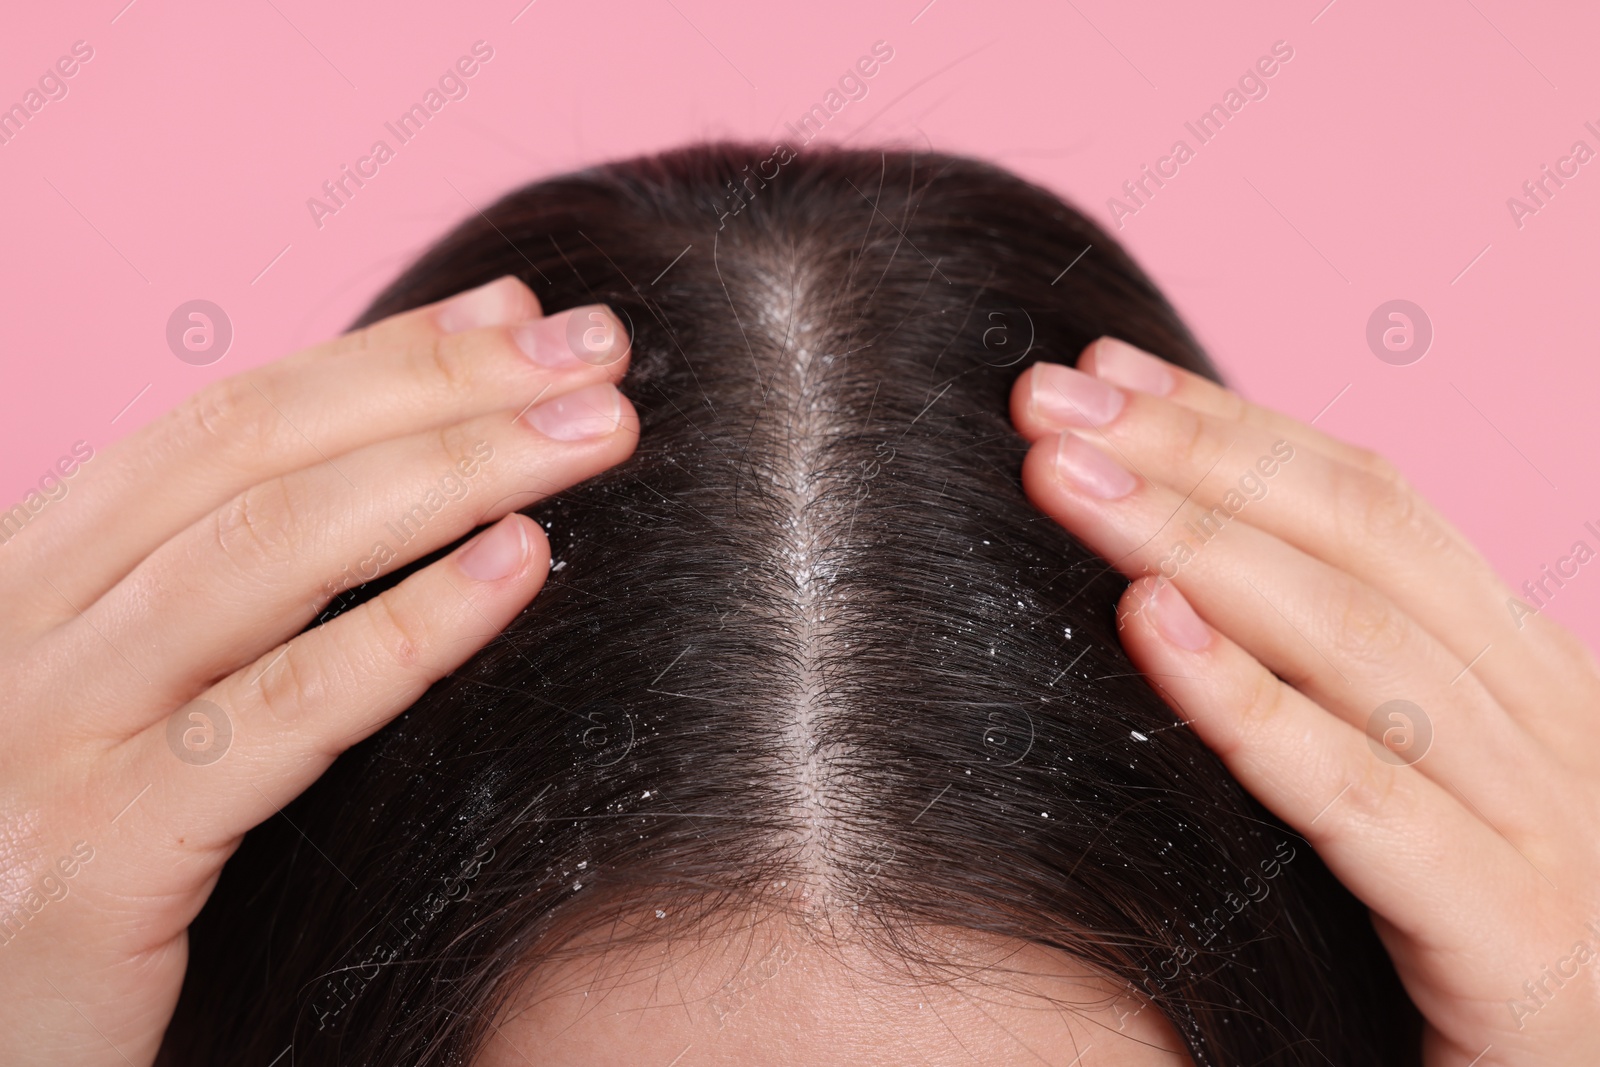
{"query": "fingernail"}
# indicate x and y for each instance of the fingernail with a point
(567, 339)
(1070, 397)
(1091, 470)
(1119, 362)
(592, 411)
(498, 303)
(497, 553)
(1177, 621)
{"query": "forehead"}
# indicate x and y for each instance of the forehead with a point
(776, 993)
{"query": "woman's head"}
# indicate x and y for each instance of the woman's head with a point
(813, 700)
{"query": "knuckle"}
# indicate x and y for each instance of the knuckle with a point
(1265, 701)
(1196, 445)
(288, 686)
(1385, 509)
(1388, 507)
(399, 634)
(256, 530)
(439, 362)
(230, 416)
(1370, 462)
(1372, 795)
(459, 443)
(1369, 629)
(1234, 408)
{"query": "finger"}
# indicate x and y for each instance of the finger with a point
(1367, 521)
(1342, 643)
(1401, 843)
(1121, 364)
(247, 577)
(481, 351)
(262, 735)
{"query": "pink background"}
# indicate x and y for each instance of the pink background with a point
(1377, 167)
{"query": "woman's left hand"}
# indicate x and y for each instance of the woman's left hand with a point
(1361, 669)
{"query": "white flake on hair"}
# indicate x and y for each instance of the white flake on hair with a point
(799, 482)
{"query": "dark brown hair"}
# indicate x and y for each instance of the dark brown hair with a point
(812, 631)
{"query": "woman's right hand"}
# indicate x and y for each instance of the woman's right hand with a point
(155, 701)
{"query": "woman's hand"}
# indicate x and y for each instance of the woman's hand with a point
(155, 701)
(1361, 669)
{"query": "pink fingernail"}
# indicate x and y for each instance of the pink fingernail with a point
(1177, 621)
(497, 552)
(1091, 470)
(1119, 362)
(592, 411)
(586, 335)
(496, 304)
(1069, 397)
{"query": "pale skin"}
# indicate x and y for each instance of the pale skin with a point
(188, 556)
(802, 988)
(1337, 591)
(182, 565)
